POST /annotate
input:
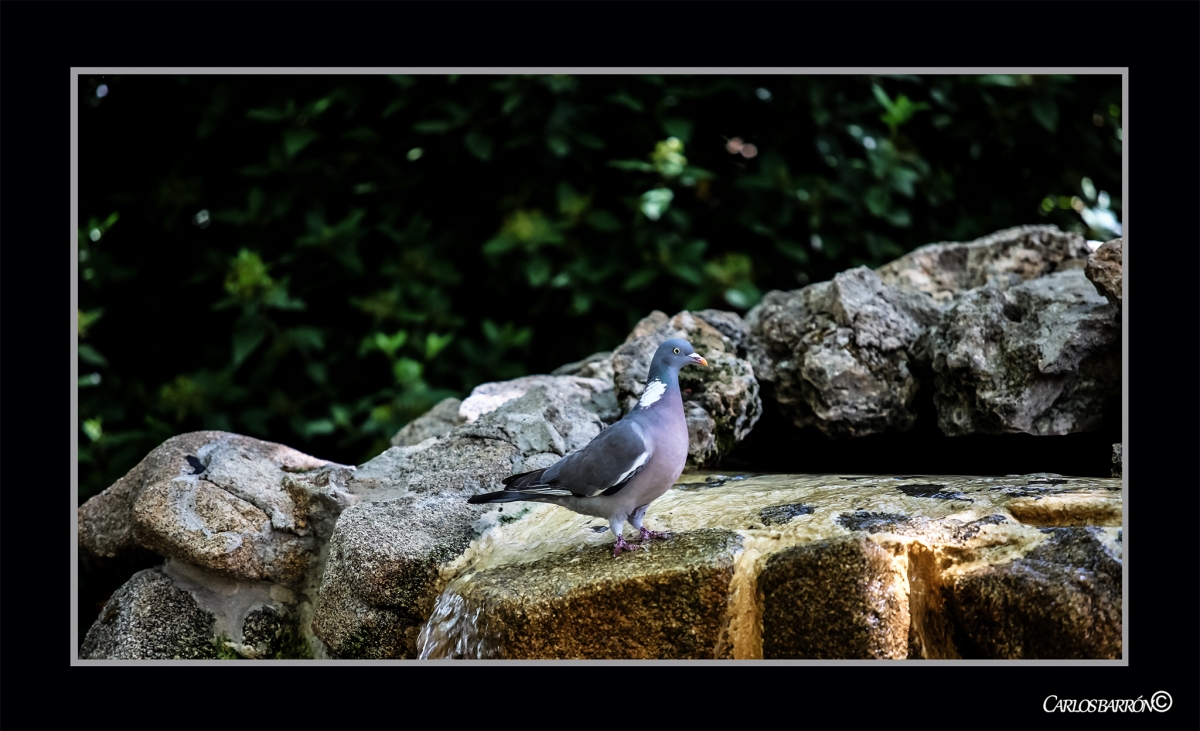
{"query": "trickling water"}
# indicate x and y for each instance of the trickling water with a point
(453, 630)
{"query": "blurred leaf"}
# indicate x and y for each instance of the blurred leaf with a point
(407, 371)
(295, 140)
(603, 221)
(638, 165)
(90, 355)
(435, 343)
(538, 271)
(271, 114)
(625, 100)
(655, 202)
(389, 344)
(877, 200)
(433, 126)
(479, 144)
(93, 429)
(87, 319)
(306, 337)
(558, 145)
(681, 128)
(640, 279)
(248, 332)
(1045, 111)
(499, 245)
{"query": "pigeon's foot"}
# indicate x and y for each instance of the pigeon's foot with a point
(648, 534)
(621, 545)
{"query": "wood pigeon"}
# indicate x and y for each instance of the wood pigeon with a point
(628, 465)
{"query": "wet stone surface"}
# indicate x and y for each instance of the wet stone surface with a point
(782, 514)
(834, 599)
(665, 602)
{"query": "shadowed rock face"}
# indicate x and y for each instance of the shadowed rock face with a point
(1061, 600)
(1104, 270)
(1005, 330)
(721, 402)
(838, 355)
(149, 618)
(1041, 358)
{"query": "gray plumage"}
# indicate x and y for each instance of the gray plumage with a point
(628, 465)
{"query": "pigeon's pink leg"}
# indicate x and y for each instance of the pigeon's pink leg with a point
(621, 545)
(648, 534)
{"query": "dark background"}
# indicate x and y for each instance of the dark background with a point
(316, 260)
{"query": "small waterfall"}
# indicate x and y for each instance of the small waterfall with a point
(455, 630)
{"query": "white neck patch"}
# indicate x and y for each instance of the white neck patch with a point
(654, 391)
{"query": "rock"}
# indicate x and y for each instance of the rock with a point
(596, 365)
(1104, 270)
(181, 611)
(594, 394)
(549, 417)
(386, 555)
(1116, 460)
(1041, 357)
(835, 599)
(808, 566)
(837, 355)
(668, 602)
(1002, 259)
(1061, 600)
(149, 618)
(726, 391)
(381, 576)
(235, 505)
(437, 421)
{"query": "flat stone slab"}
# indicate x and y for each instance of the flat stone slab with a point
(802, 566)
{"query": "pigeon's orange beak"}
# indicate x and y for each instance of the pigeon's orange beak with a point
(698, 359)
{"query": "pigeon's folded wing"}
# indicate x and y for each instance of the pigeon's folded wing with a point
(605, 465)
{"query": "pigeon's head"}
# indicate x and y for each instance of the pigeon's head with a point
(673, 355)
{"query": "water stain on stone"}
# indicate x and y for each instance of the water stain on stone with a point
(196, 465)
(932, 490)
(871, 522)
(783, 514)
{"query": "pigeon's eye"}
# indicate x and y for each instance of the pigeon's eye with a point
(676, 351)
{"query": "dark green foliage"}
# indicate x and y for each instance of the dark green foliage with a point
(318, 260)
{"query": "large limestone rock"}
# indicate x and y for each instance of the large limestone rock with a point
(1104, 270)
(234, 505)
(974, 322)
(722, 401)
(1041, 357)
(593, 394)
(439, 420)
(1002, 259)
(596, 365)
(796, 566)
(387, 554)
(243, 525)
(839, 355)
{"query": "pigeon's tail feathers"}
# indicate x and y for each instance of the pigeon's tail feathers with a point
(504, 496)
(516, 482)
